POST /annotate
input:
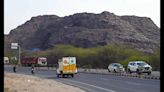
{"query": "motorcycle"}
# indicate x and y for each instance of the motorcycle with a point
(32, 71)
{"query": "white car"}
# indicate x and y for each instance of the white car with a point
(116, 67)
(139, 67)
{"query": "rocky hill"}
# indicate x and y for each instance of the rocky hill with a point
(87, 30)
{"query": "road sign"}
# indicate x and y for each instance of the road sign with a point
(14, 45)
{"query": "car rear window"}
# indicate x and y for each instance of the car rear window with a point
(141, 64)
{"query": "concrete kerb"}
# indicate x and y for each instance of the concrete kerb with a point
(45, 68)
(119, 74)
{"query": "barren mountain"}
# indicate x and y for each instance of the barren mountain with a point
(87, 30)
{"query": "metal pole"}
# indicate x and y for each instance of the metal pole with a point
(19, 62)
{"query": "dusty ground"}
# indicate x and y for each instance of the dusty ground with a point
(25, 83)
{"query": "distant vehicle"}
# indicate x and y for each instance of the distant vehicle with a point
(66, 66)
(139, 67)
(28, 61)
(6, 60)
(116, 67)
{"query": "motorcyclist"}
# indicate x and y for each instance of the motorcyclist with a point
(32, 69)
(14, 68)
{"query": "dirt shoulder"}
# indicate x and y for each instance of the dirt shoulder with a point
(26, 83)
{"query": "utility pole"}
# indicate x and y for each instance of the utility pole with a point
(19, 61)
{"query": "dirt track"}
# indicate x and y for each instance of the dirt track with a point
(25, 83)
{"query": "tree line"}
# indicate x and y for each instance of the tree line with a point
(97, 57)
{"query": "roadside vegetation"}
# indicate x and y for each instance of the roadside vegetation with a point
(97, 57)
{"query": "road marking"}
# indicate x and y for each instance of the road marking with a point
(104, 78)
(133, 83)
(109, 90)
(83, 88)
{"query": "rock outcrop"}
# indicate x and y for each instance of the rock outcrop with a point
(87, 30)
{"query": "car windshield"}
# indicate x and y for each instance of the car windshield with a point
(141, 64)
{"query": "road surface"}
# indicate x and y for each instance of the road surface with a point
(97, 82)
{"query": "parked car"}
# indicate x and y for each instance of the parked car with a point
(139, 67)
(116, 67)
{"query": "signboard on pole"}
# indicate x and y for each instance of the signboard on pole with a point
(14, 45)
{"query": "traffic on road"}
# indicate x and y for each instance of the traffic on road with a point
(96, 82)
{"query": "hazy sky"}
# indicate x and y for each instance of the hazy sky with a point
(17, 12)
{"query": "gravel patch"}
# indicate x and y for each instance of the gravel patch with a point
(26, 83)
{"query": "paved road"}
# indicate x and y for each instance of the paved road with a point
(97, 82)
